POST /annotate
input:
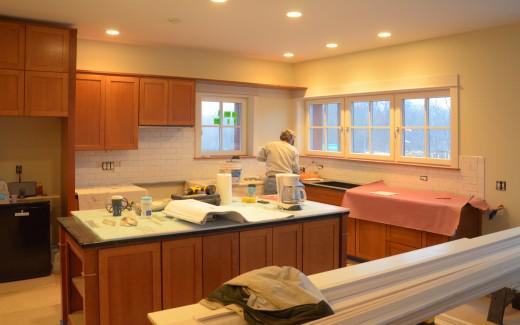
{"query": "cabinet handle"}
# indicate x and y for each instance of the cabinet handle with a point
(22, 214)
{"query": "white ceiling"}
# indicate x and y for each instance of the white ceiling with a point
(260, 29)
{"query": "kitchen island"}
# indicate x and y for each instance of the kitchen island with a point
(118, 275)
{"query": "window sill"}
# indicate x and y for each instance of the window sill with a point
(224, 157)
(386, 162)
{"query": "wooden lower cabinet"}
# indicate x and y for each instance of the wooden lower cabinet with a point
(220, 260)
(321, 246)
(431, 239)
(287, 246)
(351, 236)
(370, 240)
(181, 272)
(396, 248)
(129, 283)
(324, 195)
(256, 249)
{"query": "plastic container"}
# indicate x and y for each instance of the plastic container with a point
(233, 167)
(146, 206)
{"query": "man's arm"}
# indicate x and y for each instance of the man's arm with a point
(262, 155)
(296, 164)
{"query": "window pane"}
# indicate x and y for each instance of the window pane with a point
(381, 113)
(333, 139)
(316, 139)
(381, 141)
(413, 142)
(360, 140)
(317, 111)
(210, 139)
(413, 113)
(333, 114)
(360, 114)
(231, 139)
(439, 113)
(440, 144)
(232, 113)
(210, 113)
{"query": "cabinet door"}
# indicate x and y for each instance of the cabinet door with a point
(121, 125)
(321, 246)
(351, 236)
(370, 240)
(46, 93)
(47, 49)
(153, 101)
(396, 248)
(220, 260)
(430, 239)
(12, 43)
(256, 249)
(11, 92)
(287, 246)
(90, 112)
(129, 284)
(404, 236)
(181, 102)
(182, 272)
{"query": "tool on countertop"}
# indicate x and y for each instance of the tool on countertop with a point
(205, 189)
(208, 198)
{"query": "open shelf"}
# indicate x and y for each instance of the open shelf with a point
(77, 318)
(79, 284)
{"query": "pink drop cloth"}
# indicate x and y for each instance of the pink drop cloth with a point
(435, 212)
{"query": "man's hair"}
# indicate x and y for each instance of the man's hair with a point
(287, 135)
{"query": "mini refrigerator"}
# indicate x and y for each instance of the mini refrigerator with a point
(25, 246)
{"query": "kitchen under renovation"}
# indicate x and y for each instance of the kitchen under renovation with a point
(214, 162)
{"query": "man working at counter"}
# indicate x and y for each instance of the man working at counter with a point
(280, 157)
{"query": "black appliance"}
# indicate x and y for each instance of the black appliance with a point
(25, 245)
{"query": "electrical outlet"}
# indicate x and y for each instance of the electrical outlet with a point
(108, 165)
(501, 185)
(423, 178)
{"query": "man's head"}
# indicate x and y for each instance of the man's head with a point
(288, 136)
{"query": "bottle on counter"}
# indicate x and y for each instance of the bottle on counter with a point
(146, 206)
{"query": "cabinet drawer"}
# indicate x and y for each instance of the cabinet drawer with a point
(395, 248)
(431, 239)
(324, 195)
(405, 236)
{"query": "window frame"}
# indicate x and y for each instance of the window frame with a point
(396, 128)
(348, 127)
(454, 122)
(331, 100)
(244, 101)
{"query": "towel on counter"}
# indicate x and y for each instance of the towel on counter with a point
(271, 295)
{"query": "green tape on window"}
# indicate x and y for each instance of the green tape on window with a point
(216, 121)
(235, 114)
(227, 114)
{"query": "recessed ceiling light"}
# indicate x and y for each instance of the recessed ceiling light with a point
(288, 55)
(294, 14)
(218, 1)
(384, 34)
(112, 32)
(331, 45)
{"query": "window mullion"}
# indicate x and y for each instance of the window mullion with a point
(426, 128)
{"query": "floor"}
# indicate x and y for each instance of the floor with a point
(37, 302)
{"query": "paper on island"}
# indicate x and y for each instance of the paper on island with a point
(383, 193)
(199, 212)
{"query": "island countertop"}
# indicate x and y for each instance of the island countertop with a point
(88, 230)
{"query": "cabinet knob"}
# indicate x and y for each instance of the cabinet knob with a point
(21, 213)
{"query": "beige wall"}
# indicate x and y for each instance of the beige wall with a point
(103, 56)
(489, 68)
(34, 143)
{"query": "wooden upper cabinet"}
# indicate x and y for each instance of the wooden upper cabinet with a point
(220, 260)
(153, 101)
(90, 112)
(321, 251)
(11, 92)
(181, 102)
(12, 45)
(47, 49)
(287, 246)
(181, 272)
(46, 94)
(256, 249)
(129, 283)
(122, 111)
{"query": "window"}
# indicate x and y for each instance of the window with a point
(370, 127)
(325, 127)
(425, 127)
(411, 127)
(221, 126)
